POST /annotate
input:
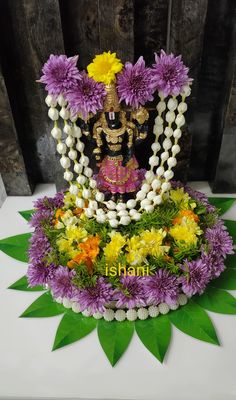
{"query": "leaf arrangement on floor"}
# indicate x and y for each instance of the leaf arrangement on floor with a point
(155, 333)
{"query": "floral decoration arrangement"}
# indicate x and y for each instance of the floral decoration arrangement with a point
(124, 247)
(143, 269)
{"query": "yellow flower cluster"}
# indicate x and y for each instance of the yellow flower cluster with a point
(182, 199)
(105, 67)
(186, 232)
(69, 242)
(113, 248)
(149, 242)
(138, 247)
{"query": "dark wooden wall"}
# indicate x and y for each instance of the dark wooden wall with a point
(203, 31)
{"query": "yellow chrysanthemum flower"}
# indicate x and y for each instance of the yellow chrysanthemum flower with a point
(182, 199)
(113, 248)
(181, 233)
(135, 251)
(104, 67)
(65, 246)
(186, 232)
(75, 233)
(191, 225)
(152, 242)
(69, 199)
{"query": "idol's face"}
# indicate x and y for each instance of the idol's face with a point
(113, 118)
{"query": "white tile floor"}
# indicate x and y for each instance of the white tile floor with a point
(193, 370)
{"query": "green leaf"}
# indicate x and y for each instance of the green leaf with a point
(43, 306)
(230, 261)
(227, 280)
(155, 333)
(22, 284)
(16, 246)
(231, 226)
(114, 338)
(194, 321)
(73, 327)
(27, 214)
(217, 300)
(222, 203)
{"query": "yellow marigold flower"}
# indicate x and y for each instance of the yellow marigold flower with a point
(113, 248)
(104, 67)
(75, 233)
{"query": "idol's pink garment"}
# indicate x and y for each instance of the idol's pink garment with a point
(115, 178)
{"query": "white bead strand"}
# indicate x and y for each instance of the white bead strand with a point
(72, 154)
(157, 130)
(171, 161)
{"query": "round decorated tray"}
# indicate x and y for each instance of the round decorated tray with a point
(191, 273)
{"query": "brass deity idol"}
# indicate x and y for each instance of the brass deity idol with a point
(115, 138)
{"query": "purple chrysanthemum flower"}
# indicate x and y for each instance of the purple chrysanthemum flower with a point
(39, 246)
(132, 293)
(95, 297)
(60, 74)
(39, 217)
(58, 200)
(134, 84)
(61, 283)
(45, 209)
(200, 197)
(197, 275)
(219, 239)
(49, 203)
(170, 75)
(162, 287)
(86, 96)
(40, 274)
(215, 263)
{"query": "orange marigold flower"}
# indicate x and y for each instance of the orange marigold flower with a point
(185, 213)
(71, 264)
(90, 250)
(77, 211)
(189, 214)
(59, 213)
(91, 246)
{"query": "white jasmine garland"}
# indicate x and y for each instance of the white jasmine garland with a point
(53, 114)
(56, 133)
(50, 101)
